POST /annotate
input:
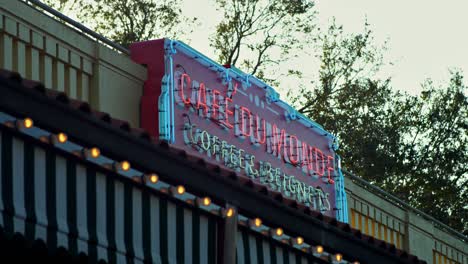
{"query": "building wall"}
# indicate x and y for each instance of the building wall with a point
(43, 49)
(382, 218)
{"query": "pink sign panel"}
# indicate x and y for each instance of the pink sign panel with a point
(239, 122)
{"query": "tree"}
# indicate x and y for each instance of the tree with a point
(127, 21)
(436, 152)
(412, 146)
(252, 31)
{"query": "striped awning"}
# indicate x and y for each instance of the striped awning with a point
(255, 248)
(59, 199)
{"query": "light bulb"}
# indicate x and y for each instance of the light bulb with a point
(257, 222)
(62, 137)
(125, 165)
(230, 212)
(279, 231)
(299, 240)
(27, 122)
(95, 152)
(206, 201)
(180, 189)
(153, 178)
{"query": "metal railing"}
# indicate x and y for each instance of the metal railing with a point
(392, 198)
(77, 25)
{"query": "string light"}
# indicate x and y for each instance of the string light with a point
(230, 212)
(206, 201)
(125, 165)
(27, 122)
(339, 257)
(279, 231)
(21, 124)
(257, 222)
(94, 152)
(227, 212)
(180, 189)
(319, 249)
(62, 137)
(153, 178)
(299, 240)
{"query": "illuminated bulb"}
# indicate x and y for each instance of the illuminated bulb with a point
(230, 212)
(153, 178)
(299, 240)
(62, 137)
(95, 152)
(319, 249)
(125, 165)
(25, 123)
(279, 231)
(257, 222)
(206, 201)
(180, 189)
(339, 257)
(356, 262)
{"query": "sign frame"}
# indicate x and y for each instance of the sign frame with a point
(158, 104)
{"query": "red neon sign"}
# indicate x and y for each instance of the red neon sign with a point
(236, 124)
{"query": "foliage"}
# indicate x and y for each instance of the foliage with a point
(127, 21)
(253, 30)
(413, 146)
(435, 151)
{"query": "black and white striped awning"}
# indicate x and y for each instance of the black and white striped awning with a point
(69, 204)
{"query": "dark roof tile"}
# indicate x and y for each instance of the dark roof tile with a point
(85, 107)
(140, 133)
(14, 76)
(163, 144)
(34, 85)
(245, 181)
(261, 188)
(62, 97)
(370, 240)
(345, 227)
(213, 167)
(102, 116)
(316, 214)
(357, 233)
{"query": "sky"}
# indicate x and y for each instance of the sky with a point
(425, 37)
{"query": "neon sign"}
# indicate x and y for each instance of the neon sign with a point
(239, 122)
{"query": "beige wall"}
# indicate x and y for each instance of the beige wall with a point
(43, 49)
(420, 236)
